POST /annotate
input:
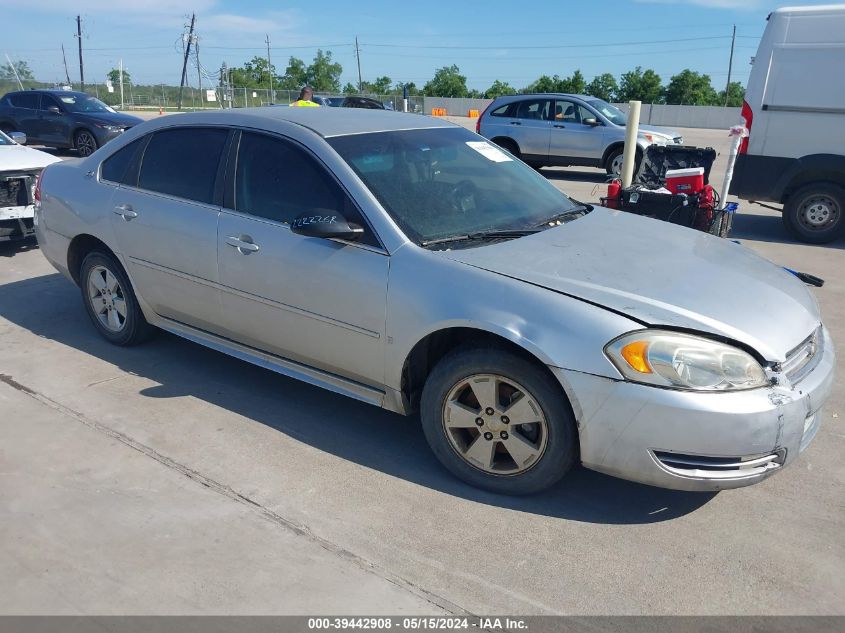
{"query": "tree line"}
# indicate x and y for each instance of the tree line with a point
(323, 74)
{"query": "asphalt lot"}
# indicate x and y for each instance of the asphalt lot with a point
(171, 479)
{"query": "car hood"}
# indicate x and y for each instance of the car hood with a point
(20, 157)
(664, 131)
(661, 274)
(110, 118)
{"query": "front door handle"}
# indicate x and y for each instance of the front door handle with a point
(243, 243)
(559, 126)
(126, 212)
(516, 123)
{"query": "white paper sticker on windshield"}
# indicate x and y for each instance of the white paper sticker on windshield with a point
(489, 151)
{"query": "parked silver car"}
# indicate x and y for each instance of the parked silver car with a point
(409, 263)
(563, 129)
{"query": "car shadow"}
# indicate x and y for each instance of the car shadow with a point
(13, 247)
(49, 306)
(768, 228)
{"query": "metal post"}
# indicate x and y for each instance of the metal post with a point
(121, 83)
(632, 129)
(269, 67)
(185, 61)
(730, 67)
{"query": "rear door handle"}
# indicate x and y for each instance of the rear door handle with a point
(126, 212)
(243, 243)
(516, 123)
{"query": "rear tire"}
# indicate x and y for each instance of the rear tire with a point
(814, 213)
(510, 146)
(526, 440)
(110, 301)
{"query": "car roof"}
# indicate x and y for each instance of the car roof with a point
(51, 91)
(546, 94)
(327, 122)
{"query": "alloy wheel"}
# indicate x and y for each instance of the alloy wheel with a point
(107, 299)
(85, 144)
(495, 424)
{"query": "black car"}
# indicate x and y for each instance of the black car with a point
(362, 102)
(62, 118)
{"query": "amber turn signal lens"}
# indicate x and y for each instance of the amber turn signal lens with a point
(636, 355)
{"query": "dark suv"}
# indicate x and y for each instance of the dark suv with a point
(62, 118)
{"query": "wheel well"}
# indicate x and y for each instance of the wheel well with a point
(613, 147)
(812, 177)
(78, 250)
(428, 352)
(506, 142)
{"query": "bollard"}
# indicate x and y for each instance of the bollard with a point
(629, 155)
(473, 114)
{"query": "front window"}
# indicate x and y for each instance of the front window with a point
(445, 182)
(610, 112)
(83, 103)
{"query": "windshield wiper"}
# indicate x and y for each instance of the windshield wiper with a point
(482, 235)
(570, 214)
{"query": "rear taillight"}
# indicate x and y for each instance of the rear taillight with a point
(36, 194)
(747, 119)
(478, 120)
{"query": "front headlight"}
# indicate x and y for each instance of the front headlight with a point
(683, 361)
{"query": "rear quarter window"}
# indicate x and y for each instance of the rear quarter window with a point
(122, 166)
(505, 110)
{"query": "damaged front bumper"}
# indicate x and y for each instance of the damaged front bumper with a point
(692, 440)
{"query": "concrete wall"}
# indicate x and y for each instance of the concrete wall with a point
(706, 117)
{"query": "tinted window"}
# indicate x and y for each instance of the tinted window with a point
(183, 162)
(25, 100)
(121, 166)
(505, 110)
(276, 179)
(533, 109)
(47, 101)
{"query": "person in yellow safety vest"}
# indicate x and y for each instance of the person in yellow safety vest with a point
(304, 100)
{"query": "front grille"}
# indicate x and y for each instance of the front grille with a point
(801, 360)
(712, 467)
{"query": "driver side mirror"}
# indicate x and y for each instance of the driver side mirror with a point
(592, 122)
(326, 225)
(18, 137)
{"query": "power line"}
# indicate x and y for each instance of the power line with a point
(499, 47)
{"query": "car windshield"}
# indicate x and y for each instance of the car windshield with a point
(446, 182)
(611, 112)
(80, 103)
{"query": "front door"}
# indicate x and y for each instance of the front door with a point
(316, 301)
(54, 125)
(571, 137)
(166, 224)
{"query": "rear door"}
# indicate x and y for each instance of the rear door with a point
(165, 222)
(571, 137)
(25, 114)
(321, 302)
(527, 122)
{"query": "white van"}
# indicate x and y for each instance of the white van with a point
(795, 112)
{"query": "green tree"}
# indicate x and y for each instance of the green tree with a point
(350, 89)
(603, 86)
(691, 88)
(114, 76)
(447, 82)
(639, 85)
(736, 93)
(412, 88)
(380, 86)
(574, 84)
(324, 74)
(7, 71)
(254, 74)
(498, 89)
(296, 75)
(544, 83)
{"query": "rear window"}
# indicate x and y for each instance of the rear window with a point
(25, 100)
(505, 110)
(183, 162)
(121, 167)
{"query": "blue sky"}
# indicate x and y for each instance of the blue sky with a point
(403, 39)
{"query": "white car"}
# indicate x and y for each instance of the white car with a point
(19, 168)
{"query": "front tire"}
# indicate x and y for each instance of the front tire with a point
(814, 213)
(110, 301)
(85, 143)
(498, 422)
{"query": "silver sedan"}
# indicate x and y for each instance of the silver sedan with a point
(409, 263)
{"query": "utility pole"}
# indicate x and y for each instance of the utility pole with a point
(14, 70)
(199, 68)
(730, 67)
(120, 69)
(79, 41)
(270, 68)
(358, 57)
(185, 61)
(64, 59)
